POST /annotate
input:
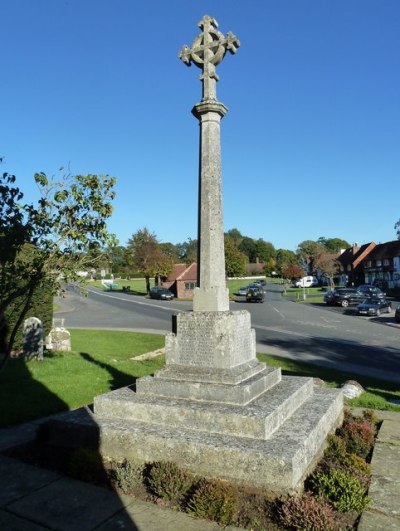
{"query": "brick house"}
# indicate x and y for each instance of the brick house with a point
(182, 280)
(352, 264)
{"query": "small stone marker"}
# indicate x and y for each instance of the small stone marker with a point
(59, 338)
(33, 338)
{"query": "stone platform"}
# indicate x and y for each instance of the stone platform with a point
(217, 411)
(270, 443)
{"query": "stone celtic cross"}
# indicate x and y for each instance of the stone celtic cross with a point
(207, 51)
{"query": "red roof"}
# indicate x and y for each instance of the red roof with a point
(177, 270)
(190, 273)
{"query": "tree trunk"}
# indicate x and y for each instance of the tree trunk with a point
(147, 284)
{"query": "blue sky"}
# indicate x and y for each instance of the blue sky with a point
(311, 143)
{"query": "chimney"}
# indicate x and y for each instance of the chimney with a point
(356, 247)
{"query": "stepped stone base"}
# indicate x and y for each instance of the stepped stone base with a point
(214, 410)
(279, 463)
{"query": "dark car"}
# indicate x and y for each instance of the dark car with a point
(374, 306)
(397, 314)
(255, 295)
(343, 296)
(161, 293)
(368, 290)
(243, 290)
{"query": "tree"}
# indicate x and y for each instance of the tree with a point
(148, 256)
(307, 251)
(285, 257)
(248, 247)
(171, 250)
(333, 245)
(235, 260)
(235, 235)
(292, 271)
(264, 251)
(328, 264)
(48, 243)
(187, 251)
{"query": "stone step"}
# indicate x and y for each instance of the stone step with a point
(280, 462)
(241, 394)
(257, 420)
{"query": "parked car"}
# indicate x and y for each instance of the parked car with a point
(259, 283)
(306, 282)
(161, 293)
(374, 306)
(370, 291)
(343, 296)
(397, 314)
(243, 290)
(255, 295)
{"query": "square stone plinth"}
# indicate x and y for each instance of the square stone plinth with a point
(211, 340)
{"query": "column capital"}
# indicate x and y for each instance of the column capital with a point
(209, 106)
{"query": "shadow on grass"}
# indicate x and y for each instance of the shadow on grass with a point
(119, 378)
(68, 443)
(23, 398)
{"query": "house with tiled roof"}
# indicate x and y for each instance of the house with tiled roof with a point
(182, 280)
(351, 262)
(382, 265)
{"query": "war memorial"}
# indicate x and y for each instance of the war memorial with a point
(214, 409)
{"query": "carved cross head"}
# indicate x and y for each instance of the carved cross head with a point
(207, 51)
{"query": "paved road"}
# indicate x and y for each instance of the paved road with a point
(316, 334)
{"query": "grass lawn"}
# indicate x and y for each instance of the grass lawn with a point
(100, 362)
(312, 294)
(377, 393)
(136, 285)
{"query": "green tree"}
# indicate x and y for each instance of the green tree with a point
(264, 251)
(285, 257)
(248, 247)
(187, 251)
(333, 245)
(171, 250)
(235, 260)
(148, 256)
(308, 250)
(235, 235)
(48, 243)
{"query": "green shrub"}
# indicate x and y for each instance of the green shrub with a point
(214, 500)
(336, 448)
(305, 513)
(168, 481)
(344, 491)
(128, 477)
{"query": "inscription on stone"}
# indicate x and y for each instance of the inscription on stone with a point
(214, 339)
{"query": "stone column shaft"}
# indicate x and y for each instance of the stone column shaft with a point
(211, 294)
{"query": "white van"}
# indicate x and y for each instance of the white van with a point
(306, 282)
